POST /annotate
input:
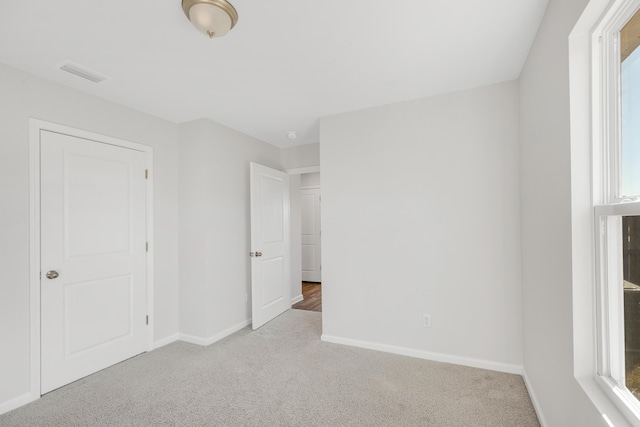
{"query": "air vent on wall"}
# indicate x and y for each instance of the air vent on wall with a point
(80, 71)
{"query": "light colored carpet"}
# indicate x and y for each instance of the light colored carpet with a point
(282, 375)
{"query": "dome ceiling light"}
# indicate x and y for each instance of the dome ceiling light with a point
(214, 18)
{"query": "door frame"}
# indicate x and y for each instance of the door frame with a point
(35, 127)
(296, 264)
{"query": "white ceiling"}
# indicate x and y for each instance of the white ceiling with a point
(285, 64)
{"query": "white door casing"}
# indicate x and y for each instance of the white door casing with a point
(93, 234)
(310, 229)
(270, 234)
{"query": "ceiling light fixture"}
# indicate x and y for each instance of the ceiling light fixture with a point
(214, 18)
(292, 134)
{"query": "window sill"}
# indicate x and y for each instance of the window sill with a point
(612, 414)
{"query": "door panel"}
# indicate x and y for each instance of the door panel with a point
(96, 206)
(270, 287)
(89, 314)
(272, 279)
(93, 234)
(310, 226)
(308, 258)
(271, 209)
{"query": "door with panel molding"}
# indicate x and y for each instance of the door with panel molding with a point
(270, 231)
(93, 256)
(310, 228)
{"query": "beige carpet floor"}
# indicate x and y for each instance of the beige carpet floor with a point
(282, 375)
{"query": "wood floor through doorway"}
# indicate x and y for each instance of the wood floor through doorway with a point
(312, 294)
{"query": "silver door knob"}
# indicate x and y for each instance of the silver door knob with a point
(258, 253)
(52, 274)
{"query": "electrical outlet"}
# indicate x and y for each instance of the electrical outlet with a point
(426, 320)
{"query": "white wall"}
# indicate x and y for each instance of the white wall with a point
(546, 224)
(25, 96)
(420, 215)
(215, 276)
(300, 156)
(310, 180)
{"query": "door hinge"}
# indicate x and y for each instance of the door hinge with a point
(146, 246)
(147, 319)
(146, 174)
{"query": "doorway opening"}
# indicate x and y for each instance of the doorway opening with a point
(306, 239)
(312, 294)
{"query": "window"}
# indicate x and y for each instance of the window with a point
(631, 302)
(630, 107)
(617, 202)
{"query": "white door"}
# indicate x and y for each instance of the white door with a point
(270, 275)
(93, 257)
(310, 225)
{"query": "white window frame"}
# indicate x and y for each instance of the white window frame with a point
(609, 207)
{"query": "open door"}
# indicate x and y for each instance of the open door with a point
(270, 287)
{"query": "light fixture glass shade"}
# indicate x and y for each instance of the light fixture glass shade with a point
(214, 18)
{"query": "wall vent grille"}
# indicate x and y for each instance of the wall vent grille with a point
(83, 72)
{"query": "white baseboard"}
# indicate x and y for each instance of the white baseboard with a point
(164, 341)
(534, 400)
(427, 355)
(17, 402)
(297, 299)
(23, 399)
(217, 337)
